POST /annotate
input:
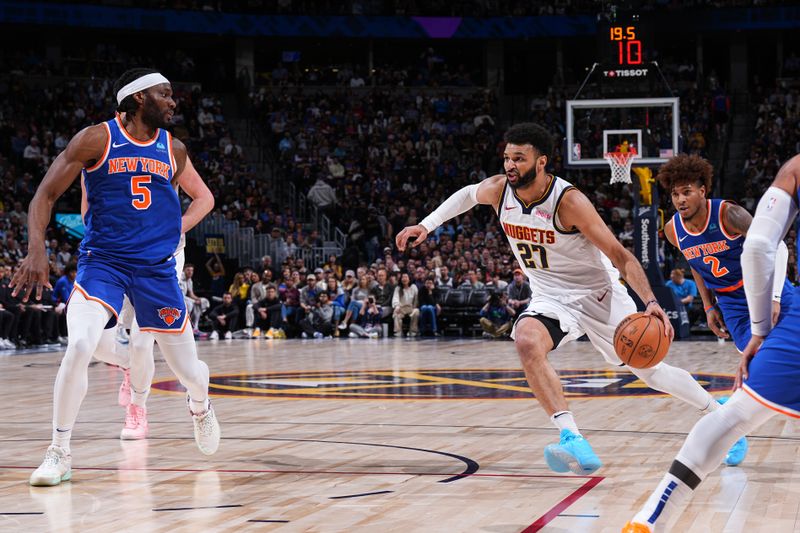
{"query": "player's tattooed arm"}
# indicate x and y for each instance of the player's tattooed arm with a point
(736, 219)
(85, 149)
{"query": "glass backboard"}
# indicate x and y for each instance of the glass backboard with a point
(594, 127)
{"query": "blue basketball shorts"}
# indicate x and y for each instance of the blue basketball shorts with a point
(774, 373)
(152, 289)
(737, 316)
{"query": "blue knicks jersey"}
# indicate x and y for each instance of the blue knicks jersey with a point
(713, 253)
(134, 214)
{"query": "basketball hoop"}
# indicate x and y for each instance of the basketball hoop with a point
(620, 163)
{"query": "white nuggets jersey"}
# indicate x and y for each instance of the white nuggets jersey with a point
(560, 264)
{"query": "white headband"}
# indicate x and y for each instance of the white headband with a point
(140, 84)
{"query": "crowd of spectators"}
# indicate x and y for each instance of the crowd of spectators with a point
(432, 69)
(776, 135)
(368, 302)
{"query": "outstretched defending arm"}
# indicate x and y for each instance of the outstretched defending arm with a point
(776, 210)
(486, 192)
(86, 147)
(737, 220)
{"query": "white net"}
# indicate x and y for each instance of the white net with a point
(620, 163)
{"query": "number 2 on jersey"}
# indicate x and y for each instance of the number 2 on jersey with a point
(141, 194)
(715, 268)
(526, 252)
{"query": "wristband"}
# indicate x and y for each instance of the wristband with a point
(653, 301)
(709, 308)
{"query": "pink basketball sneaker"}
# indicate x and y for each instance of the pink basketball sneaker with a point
(135, 423)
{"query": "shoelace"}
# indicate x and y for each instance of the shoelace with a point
(570, 438)
(51, 458)
(132, 417)
(205, 423)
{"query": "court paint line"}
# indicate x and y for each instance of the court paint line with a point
(20, 514)
(193, 508)
(471, 467)
(579, 515)
(310, 472)
(562, 505)
(270, 521)
(359, 495)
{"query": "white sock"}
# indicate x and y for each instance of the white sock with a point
(702, 452)
(139, 398)
(61, 438)
(676, 382)
(198, 407)
(565, 420)
(665, 504)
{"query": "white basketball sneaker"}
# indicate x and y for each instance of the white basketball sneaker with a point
(206, 430)
(56, 467)
(135, 423)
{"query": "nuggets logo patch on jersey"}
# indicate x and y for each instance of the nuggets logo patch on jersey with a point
(428, 384)
(169, 315)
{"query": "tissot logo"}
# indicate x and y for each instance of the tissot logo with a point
(439, 384)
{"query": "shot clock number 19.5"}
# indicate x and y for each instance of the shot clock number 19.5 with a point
(629, 48)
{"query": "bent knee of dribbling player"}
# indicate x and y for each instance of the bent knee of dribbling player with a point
(532, 339)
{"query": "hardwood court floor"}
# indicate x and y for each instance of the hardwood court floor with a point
(388, 436)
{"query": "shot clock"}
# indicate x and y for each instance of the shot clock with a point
(623, 48)
(626, 39)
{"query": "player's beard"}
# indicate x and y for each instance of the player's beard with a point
(154, 117)
(524, 179)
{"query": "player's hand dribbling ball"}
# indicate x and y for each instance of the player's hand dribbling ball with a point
(640, 341)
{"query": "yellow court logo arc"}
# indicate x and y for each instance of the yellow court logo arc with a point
(428, 384)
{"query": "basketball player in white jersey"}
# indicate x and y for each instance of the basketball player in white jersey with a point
(573, 263)
(137, 363)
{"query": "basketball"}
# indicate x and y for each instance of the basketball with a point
(640, 341)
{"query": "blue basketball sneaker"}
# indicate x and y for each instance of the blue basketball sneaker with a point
(738, 451)
(572, 453)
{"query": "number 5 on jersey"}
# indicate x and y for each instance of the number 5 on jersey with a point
(139, 191)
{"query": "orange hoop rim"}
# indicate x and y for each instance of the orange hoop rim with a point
(620, 157)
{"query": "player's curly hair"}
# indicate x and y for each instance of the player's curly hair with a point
(533, 134)
(683, 169)
(129, 105)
